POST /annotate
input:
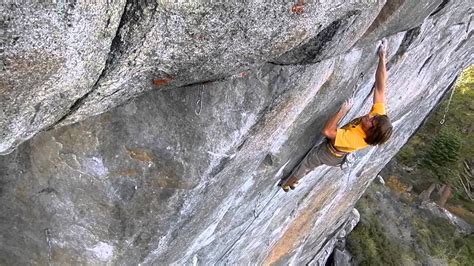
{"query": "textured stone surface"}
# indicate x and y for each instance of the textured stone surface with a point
(51, 55)
(341, 258)
(187, 175)
(336, 243)
(183, 43)
(82, 60)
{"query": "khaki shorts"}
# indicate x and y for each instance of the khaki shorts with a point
(317, 156)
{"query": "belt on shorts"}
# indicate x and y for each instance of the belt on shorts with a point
(335, 151)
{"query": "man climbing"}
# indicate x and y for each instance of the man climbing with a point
(373, 128)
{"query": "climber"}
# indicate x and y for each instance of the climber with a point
(373, 128)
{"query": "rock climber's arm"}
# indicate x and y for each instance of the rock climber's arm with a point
(380, 79)
(330, 128)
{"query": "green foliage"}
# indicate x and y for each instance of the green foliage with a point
(435, 236)
(465, 254)
(439, 239)
(437, 151)
(431, 237)
(443, 155)
(407, 155)
(444, 149)
(370, 246)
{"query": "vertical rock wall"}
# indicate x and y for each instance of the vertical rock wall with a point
(187, 174)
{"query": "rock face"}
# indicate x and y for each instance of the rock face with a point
(186, 173)
(52, 55)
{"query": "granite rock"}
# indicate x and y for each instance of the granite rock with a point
(187, 174)
(52, 54)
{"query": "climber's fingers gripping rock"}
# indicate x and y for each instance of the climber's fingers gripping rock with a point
(346, 106)
(382, 50)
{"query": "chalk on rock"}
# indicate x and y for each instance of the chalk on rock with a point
(379, 179)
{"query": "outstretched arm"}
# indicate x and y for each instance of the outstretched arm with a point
(330, 128)
(381, 75)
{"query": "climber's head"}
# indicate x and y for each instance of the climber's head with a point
(378, 129)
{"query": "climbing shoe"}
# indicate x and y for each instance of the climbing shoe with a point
(288, 183)
(293, 186)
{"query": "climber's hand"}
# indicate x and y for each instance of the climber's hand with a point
(346, 106)
(330, 128)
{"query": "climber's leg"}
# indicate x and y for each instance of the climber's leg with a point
(310, 161)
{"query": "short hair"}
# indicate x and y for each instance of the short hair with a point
(381, 131)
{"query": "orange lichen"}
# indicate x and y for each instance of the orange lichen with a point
(163, 81)
(166, 182)
(298, 7)
(126, 172)
(299, 228)
(140, 155)
(395, 184)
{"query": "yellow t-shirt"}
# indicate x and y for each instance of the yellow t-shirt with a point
(351, 137)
